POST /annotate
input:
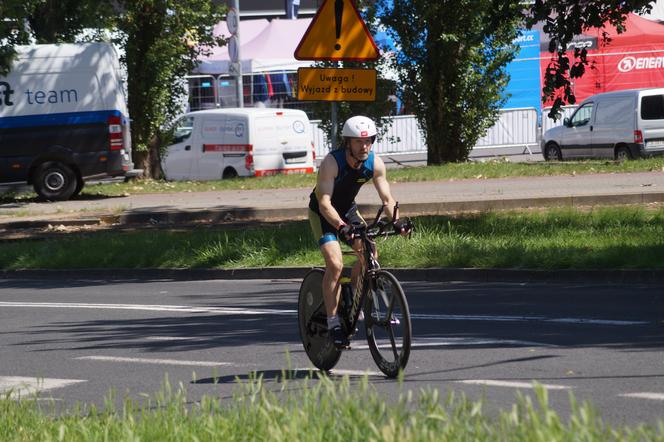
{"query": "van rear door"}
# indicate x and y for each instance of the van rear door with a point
(282, 144)
(651, 121)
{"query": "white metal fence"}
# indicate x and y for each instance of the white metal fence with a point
(403, 136)
(514, 128)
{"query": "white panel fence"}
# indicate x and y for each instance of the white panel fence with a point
(515, 128)
(403, 136)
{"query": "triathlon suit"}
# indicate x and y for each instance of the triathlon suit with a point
(347, 184)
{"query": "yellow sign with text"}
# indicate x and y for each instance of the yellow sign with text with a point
(334, 84)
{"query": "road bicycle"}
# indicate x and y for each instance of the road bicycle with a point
(378, 295)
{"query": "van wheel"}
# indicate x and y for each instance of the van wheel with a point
(552, 152)
(623, 154)
(55, 181)
(79, 186)
(229, 173)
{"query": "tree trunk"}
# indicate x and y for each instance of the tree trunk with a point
(149, 160)
(444, 145)
(154, 158)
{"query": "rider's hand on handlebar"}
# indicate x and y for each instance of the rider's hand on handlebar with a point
(403, 226)
(345, 232)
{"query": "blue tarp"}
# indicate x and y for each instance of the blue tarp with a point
(524, 70)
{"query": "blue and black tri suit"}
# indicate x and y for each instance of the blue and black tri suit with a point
(347, 184)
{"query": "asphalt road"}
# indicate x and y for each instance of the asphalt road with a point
(82, 338)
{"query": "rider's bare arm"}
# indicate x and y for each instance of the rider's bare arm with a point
(382, 186)
(324, 188)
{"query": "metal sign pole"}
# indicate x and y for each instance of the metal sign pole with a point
(333, 119)
(235, 5)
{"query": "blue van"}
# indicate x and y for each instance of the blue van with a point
(63, 118)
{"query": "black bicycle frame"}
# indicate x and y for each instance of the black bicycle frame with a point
(369, 268)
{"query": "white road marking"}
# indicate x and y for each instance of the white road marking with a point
(449, 342)
(153, 361)
(338, 371)
(653, 396)
(286, 312)
(512, 384)
(155, 308)
(526, 319)
(168, 338)
(341, 372)
(21, 386)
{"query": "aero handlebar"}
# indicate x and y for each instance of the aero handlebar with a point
(383, 228)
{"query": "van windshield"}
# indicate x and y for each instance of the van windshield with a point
(182, 129)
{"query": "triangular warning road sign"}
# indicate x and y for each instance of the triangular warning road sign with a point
(337, 33)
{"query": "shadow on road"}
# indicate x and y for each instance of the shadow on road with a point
(446, 316)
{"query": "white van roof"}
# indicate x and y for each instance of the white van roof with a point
(246, 111)
(64, 57)
(623, 93)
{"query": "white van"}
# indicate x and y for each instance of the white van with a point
(226, 143)
(63, 118)
(620, 125)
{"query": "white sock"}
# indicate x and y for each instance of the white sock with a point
(333, 321)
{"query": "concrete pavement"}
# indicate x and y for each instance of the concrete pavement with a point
(419, 198)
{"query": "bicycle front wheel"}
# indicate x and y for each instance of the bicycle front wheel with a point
(313, 322)
(387, 322)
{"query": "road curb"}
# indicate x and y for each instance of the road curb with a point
(610, 276)
(231, 214)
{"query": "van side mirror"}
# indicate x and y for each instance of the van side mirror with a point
(566, 122)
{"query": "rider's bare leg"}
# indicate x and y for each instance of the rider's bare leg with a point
(331, 252)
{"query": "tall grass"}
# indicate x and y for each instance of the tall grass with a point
(316, 410)
(623, 237)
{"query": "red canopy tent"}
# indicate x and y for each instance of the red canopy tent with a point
(633, 59)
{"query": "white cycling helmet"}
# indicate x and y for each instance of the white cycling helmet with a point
(359, 127)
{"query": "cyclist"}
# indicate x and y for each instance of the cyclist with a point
(332, 209)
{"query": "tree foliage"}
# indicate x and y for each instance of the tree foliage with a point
(162, 40)
(47, 21)
(451, 66)
(61, 21)
(13, 29)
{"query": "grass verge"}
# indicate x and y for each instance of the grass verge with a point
(453, 171)
(314, 411)
(613, 237)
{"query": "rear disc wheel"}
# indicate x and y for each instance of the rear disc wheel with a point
(312, 320)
